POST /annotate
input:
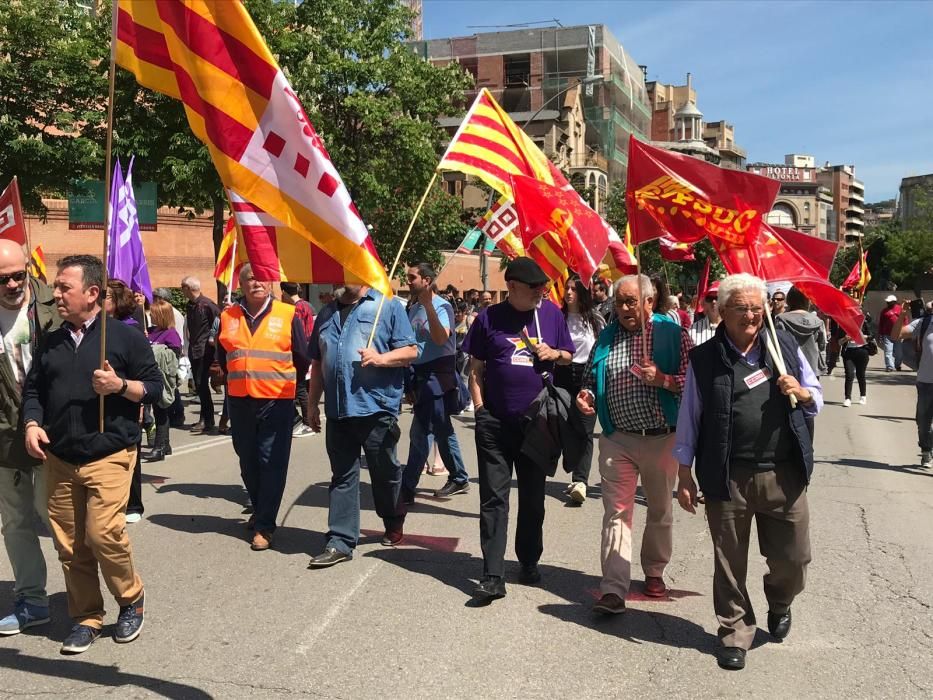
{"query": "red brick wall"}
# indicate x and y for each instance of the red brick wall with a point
(489, 73)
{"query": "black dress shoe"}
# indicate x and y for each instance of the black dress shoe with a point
(529, 575)
(328, 557)
(779, 624)
(731, 658)
(490, 588)
(156, 455)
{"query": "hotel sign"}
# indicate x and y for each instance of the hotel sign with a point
(784, 173)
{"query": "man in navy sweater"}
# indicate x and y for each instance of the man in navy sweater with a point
(89, 470)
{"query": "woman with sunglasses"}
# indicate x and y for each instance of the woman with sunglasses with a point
(584, 324)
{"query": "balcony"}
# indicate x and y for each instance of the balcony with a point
(856, 194)
(854, 209)
(854, 222)
(589, 160)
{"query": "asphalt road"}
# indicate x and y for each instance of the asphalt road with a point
(223, 621)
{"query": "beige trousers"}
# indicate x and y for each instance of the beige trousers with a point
(86, 512)
(623, 458)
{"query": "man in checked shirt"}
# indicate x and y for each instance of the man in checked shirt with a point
(633, 383)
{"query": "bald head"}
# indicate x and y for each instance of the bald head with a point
(13, 270)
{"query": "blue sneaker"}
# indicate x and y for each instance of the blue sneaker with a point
(80, 639)
(24, 615)
(130, 622)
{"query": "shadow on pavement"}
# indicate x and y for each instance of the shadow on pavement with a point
(235, 493)
(316, 496)
(96, 674)
(639, 626)
(287, 540)
(867, 464)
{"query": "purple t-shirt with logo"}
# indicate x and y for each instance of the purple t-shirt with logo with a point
(513, 374)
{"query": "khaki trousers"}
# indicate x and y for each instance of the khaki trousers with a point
(623, 458)
(777, 499)
(86, 512)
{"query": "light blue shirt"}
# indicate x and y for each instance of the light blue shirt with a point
(691, 405)
(428, 350)
(351, 390)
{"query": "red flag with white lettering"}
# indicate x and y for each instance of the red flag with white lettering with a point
(12, 224)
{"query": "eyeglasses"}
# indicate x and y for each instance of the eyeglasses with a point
(16, 277)
(777, 298)
(627, 302)
(755, 311)
(711, 300)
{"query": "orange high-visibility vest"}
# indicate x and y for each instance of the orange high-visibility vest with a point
(260, 365)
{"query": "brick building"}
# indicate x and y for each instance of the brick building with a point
(802, 202)
(848, 199)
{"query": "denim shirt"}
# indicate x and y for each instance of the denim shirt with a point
(350, 390)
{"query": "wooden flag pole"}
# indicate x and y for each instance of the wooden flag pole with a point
(641, 307)
(107, 180)
(774, 348)
(398, 256)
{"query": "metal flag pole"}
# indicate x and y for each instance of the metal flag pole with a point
(107, 204)
(398, 256)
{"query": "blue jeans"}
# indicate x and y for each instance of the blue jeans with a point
(893, 353)
(376, 436)
(431, 418)
(925, 416)
(262, 438)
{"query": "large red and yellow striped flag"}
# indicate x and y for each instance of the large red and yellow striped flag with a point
(209, 55)
(278, 253)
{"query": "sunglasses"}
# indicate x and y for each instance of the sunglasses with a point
(16, 277)
(711, 300)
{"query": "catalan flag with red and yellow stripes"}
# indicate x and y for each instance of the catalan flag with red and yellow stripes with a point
(209, 55)
(230, 257)
(37, 267)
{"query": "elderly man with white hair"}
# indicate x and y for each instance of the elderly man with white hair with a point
(753, 456)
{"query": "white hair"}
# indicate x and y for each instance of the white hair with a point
(741, 282)
(647, 289)
(245, 272)
(673, 301)
(192, 283)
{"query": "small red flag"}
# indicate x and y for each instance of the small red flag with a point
(543, 208)
(12, 223)
(674, 251)
(703, 287)
(689, 199)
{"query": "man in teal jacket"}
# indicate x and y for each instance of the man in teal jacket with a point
(633, 383)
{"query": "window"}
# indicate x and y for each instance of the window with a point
(517, 70)
(471, 66)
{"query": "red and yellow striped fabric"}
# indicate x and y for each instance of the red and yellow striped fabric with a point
(37, 267)
(209, 55)
(226, 270)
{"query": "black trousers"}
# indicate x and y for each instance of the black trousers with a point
(855, 361)
(162, 426)
(570, 377)
(498, 450)
(200, 370)
(135, 503)
(301, 398)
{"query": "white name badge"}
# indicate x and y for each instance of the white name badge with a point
(757, 378)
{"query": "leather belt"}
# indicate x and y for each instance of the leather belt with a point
(650, 432)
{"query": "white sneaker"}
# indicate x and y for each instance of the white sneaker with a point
(847, 403)
(301, 430)
(468, 408)
(133, 517)
(926, 460)
(577, 492)
(863, 400)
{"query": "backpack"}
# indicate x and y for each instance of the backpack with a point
(167, 361)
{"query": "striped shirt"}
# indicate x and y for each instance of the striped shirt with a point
(702, 330)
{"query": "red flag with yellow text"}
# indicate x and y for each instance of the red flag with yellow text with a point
(688, 199)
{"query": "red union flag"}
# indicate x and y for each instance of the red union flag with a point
(687, 199)
(773, 259)
(675, 251)
(209, 55)
(12, 224)
(543, 208)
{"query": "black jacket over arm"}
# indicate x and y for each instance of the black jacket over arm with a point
(58, 393)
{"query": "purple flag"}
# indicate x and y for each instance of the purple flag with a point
(126, 260)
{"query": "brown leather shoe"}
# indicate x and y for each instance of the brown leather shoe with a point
(261, 542)
(609, 604)
(655, 587)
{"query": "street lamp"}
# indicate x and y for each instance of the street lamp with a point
(589, 80)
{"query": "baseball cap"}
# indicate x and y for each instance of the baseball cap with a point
(527, 271)
(162, 293)
(713, 289)
(890, 298)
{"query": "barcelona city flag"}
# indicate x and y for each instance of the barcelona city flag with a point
(209, 55)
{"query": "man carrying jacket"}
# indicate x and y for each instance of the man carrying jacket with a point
(88, 470)
(633, 382)
(27, 314)
(754, 456)
(263, 349)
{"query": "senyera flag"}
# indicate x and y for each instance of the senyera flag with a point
(37, 266)
(772, 259)
(12, 223)
(231, 256)
(278, 253)
(688, 199)
(209, 55)
(859, 277)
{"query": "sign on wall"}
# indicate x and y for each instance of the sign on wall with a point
(86, 205)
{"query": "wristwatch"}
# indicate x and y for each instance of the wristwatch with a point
(122, 388)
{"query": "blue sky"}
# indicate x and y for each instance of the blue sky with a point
(848, 82)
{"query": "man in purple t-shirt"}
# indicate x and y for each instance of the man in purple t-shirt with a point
(512, 344)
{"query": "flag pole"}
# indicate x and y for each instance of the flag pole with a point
(107, 180)
(398, 255)
(236, 226)
(774, 349)
(641, 305)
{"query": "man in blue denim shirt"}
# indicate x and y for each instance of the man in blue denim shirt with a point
(362, 388)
